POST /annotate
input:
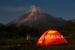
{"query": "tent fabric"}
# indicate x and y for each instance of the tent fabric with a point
(51, 37)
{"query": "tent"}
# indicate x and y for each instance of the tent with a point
(51, 37)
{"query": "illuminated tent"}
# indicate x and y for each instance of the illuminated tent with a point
(51, 37)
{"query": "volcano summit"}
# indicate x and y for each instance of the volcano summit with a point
(36, 16)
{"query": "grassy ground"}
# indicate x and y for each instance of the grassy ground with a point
(22, 44)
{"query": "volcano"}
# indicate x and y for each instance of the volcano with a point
(36, 16)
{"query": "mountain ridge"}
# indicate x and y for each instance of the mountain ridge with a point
(37, 17)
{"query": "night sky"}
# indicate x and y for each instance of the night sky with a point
(12, 9)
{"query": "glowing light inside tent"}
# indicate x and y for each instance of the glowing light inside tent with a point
(52, 31)
(51, 37)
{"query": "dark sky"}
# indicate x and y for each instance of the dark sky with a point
(12, 9)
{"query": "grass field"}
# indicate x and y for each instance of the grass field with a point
(22, 44)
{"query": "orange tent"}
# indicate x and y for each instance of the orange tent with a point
(51, 37)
